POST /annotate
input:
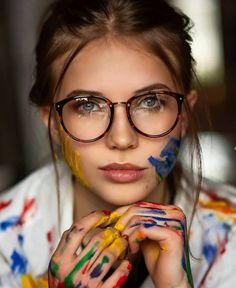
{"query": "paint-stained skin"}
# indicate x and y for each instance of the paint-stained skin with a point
(110, 239)
(158, 215)
(74, 161)
(97, 271)
(168, 157)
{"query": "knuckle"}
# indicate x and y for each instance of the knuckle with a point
(111, 254)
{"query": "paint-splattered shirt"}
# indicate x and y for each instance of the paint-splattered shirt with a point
(29, 233)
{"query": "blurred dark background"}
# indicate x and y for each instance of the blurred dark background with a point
(23, 139)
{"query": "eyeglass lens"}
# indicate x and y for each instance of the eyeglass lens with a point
(88, 117)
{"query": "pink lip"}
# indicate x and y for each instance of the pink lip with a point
(122, 173)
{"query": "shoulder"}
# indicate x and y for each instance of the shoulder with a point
(26, 191)
(213, 235)
(28, 219)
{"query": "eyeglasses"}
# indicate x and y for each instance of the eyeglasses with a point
(87, 118)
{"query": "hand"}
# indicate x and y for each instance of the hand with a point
(160, 232)
(87, 268)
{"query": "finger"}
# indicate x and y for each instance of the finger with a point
(72, 238)
(103, 263)
(94, 248)
(119, 276)
(147, 222)
(171, 214)
(116, 215)
(170, 241)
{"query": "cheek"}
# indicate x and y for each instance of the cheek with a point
(73, 159)
(167, 159)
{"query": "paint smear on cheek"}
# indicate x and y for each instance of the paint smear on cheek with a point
(73, 160)
(168, 157)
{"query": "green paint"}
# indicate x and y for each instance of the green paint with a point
(97, 271)
(188, 267)
(177, 228)
(105, 259)
(70, 277)
(54, 268)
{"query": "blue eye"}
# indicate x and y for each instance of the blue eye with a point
(151, 102)
(88, 106)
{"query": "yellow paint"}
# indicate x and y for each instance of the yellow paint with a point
(103, 220)
(117, 246)
(119, 226)
(114, 217)
(155, 251)
(163, 247)
(109, 236)
(27, 281)
(225, 211)
(73, 160)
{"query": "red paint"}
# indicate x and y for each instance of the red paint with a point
(228, 208)
(4, 204)
(61, 285)
(106, 212)
(85, 268)
(126, 237)
(120, 281)
(129, 267)
(28, 206)
(49, 236)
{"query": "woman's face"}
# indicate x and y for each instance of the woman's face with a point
(123, 167)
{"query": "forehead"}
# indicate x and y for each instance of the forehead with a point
(116, 69)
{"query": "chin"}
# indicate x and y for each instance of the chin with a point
(124, 197)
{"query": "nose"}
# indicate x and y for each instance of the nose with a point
(121, 136)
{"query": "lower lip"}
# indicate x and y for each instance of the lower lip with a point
(123, 176)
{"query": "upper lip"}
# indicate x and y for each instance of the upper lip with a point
(118, 166)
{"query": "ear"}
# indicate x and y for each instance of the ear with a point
(191, 99)
(45, 115)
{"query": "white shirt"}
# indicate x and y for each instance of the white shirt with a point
(29, 231)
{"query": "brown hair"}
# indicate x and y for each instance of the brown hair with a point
(70, 25)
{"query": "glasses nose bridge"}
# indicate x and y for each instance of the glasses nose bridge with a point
(120, 103)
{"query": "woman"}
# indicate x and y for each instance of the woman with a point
(113, 86)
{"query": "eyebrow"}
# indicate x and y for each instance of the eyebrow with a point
(154, 86)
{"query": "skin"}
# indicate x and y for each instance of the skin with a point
(117, 70)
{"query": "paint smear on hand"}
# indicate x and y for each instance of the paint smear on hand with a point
(97, 271)
(73, 160)
(117, 246)
(168, 157)
(69, 280)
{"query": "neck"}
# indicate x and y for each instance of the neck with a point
(85, 201)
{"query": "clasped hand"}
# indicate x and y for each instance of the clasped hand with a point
(159, 231)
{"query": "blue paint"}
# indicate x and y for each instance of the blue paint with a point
(19, 263)
(209, 251)
(150, 224)
(168, 158)
(97, 271)
(153, 211)
(79, 285)
(10, 222)
(21, 239)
